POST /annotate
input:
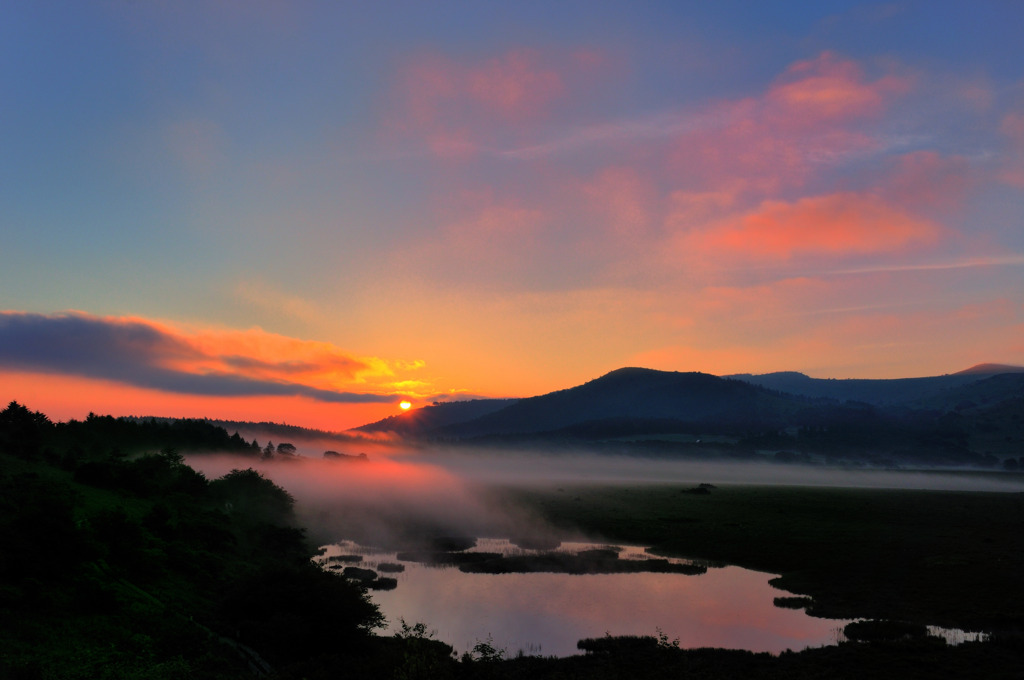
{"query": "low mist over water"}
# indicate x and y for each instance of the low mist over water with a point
(397, 494)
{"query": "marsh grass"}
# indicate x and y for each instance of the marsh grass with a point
(948, 558)
(793, 602)
(596, 561)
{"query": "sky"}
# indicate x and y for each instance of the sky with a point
(307, 212)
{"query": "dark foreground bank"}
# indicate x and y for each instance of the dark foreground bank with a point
(122, 563)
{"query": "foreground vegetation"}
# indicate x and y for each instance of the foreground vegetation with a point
(124, 565)
(119, 561)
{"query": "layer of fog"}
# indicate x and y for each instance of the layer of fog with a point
(384, 501)
(399, 496)
(515, 468)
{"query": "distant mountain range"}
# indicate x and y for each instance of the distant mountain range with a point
(975, 416)
(877, 392)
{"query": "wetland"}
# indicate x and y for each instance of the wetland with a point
(542, 602)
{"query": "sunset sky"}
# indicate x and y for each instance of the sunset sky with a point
(308, 211)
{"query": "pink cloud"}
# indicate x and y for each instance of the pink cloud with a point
(515, 85)
(451, 144)
(835, 225)
(457, 105)
(500, 234)
(810, 116)
(688, 209)
(829, 88)
(745, 150)
(926, 180)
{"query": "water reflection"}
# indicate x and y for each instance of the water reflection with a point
(543, 613)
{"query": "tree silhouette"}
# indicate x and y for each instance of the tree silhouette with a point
(22, 431)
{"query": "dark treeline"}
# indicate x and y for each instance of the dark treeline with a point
(120, 561)
(280, 430)
(30, 434)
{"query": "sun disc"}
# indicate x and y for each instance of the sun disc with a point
(405, 405)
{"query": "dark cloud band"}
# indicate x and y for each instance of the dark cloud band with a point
(134, 353)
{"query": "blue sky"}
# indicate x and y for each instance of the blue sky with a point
(505, 199)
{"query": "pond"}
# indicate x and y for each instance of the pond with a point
(547, 613)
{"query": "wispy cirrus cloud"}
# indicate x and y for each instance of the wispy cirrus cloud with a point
(151, 355)
(666, 124)
(807, 117)
(964, 263)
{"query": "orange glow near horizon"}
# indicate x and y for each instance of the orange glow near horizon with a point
(64, 398)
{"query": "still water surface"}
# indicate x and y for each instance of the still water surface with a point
(545, 614)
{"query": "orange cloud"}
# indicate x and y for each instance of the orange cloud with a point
(269, 356)
(837, 225)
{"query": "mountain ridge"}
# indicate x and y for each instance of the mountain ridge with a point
(877, 391)
(954, 419)
(990, 369)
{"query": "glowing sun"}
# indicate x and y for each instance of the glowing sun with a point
(405, 405)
